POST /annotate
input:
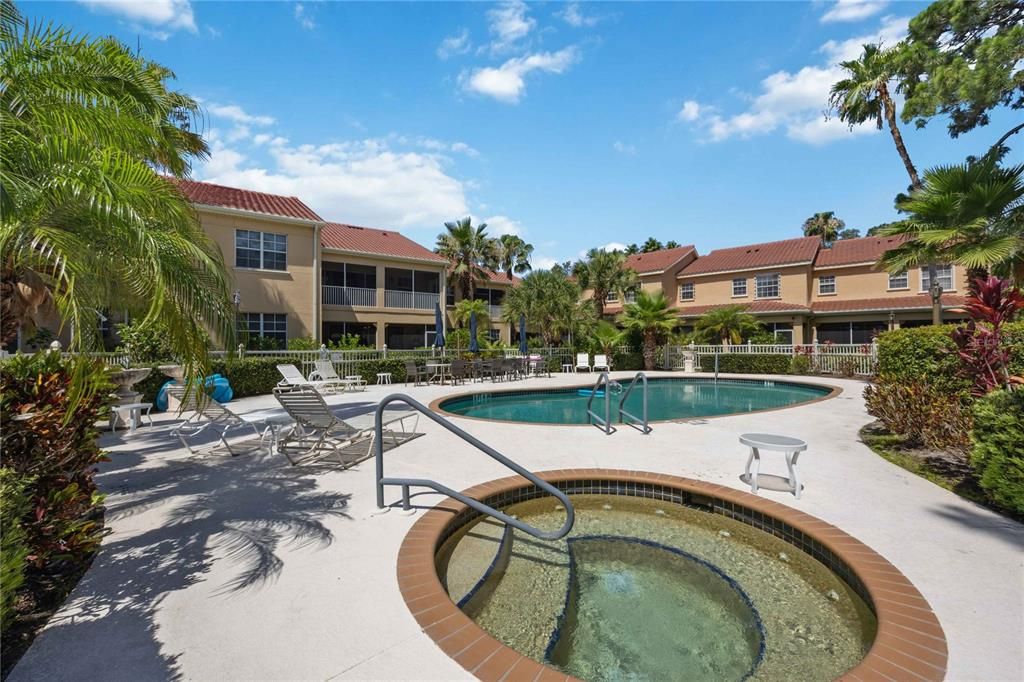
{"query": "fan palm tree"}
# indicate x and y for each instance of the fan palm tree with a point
(470, 253)
(604, 272)
(651, 244)
(607, 337)
(825, 225)
(672, 244)
(728, 324)
(651, 316)
(550, 300)
(632, 249)
(468, 306)
(88, 221)
(969, 214)
(513, 255)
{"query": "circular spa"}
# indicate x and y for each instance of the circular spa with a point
(661, 578)
(668, 399)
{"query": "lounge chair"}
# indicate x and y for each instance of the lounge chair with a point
(318, 432)
(325, 372)
(601, 363)
(583, 362)
(207, 413)
(292, 378)
(416, 373)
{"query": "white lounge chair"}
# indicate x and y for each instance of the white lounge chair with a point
(583, 362)
(601, 363)
(318, 432)
(325, 372)
(292, 378)
(207, 413)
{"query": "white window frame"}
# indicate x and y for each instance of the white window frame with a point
(611, 297)
(263, 325)
(263, 250)
(692, 289)
(821, 281)
(901, 277)
(741, 281)
(778, 285)
(630, 296)
(952, 277)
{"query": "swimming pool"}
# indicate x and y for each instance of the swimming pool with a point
(668, 399)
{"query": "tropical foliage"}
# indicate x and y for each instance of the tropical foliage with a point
(88, 219)
(550, 300)
(604, 272)
(728, 324)
(983, 353)
(465, 308)
(513, 255)
(607, 337)
(652, 317)
(825, 225)
(471, 253)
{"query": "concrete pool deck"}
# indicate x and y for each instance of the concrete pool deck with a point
(246, 568)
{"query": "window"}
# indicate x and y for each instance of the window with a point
(612, 297)
(493, 334)
(365, 331)
(783, 331)
(397, 279)
(631, 296)
(945, 276)
(826, 284)
(261, 250)
(267, 325)
(408, 336)
(686, 291)
(850, 332)
(767, 286)
(739, 286)
(449, 295)
(899, 280)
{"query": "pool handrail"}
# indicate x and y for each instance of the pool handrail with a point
(631, 419)
(605, 423)
(378, 428)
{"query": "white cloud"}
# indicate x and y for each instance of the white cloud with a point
(454, 45)
(500, 224)
(623, 148)
(262, 138)
(543, 262)
(853, 10)
(463, 148)
(509, 24)
(239, 132)
(235, 113)
(507, 83)
(610, 246)
(303, 17)
(574, 17)
(794, 101)
(167, 14)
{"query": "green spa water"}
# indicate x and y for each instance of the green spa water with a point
(667, 399)
(650, 590)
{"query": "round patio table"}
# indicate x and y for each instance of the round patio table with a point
(791, 447)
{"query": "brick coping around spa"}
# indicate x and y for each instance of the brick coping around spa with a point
(909, 643)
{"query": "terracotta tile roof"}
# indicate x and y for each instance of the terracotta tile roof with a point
(246, 200)
(754, 256)
(754, 308)
(502, 278)
(916, 302)
(373, 241)
(849, 251)
(657, 261)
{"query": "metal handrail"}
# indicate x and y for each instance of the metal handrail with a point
(633, 420)
(445, 490)
(604, 424)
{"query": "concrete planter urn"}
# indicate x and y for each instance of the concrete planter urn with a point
(124, 380)
(176, 372)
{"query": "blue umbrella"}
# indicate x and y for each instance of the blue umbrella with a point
(522, 334)
(438, 327)
(474, 345)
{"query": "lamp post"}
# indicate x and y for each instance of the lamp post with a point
(892, 320)
(935, 289)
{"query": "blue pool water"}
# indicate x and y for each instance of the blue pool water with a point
(668, 399)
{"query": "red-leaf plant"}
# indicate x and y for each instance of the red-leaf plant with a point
(984, 358)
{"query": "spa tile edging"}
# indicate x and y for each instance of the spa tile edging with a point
(909, 644)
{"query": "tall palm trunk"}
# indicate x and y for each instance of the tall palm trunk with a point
(650, 349)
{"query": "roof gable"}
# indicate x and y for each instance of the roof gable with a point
(371, 240)
(657, 261)
(755, 256)
(863, 250)
(209, 194)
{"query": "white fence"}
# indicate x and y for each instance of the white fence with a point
(824, 358)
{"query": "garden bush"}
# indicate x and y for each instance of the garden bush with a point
(14, 505)
(370, 368)
(747, 363)
(54, 445)
(249, 376)
(922, 413)
(800, 364)
(145, 343)
(632, 362)
(998, 453)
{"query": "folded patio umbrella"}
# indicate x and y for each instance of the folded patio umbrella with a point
(474, 345)
(438, 326)
(522, 334)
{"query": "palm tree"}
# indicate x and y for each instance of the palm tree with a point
(468, 306)
(550, 300)
(970, 214)
(607, 337)
(604, 272)
(470, 253)
(651, 316)
(672, 244)
(651, 244)
(825, 225)
(728, 324)
(88, 221)
(513, 255)
(632, 249)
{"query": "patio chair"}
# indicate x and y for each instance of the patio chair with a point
(319, 433)
(207, 413)
(460, 370)
(583, 362)
(490, 368)
(416, 373)
(325, 372)
(601, 363)
(292, 378)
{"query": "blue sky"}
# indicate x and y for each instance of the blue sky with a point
(571, 124)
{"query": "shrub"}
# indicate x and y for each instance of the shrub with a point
(800, 364)
(249, 376)
(632, 362)
(922, 413)
(145, 343)
(54, 443)
(14, 505)
(747, 363)
(303, 343)
(998, 453)
(370, 368)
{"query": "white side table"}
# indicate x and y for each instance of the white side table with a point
(791, 447)
(134, 411)
(384, 377)
(568, 368)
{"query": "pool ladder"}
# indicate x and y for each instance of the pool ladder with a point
(479, 506)
(604, 422)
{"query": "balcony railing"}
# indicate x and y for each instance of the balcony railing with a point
(410, 299)
(350, 296)
(495, 312)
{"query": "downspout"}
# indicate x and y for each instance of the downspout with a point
(316, 283)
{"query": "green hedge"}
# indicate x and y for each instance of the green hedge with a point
(747, 363)
(631, 362)
(998, 453)
(910, 355)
